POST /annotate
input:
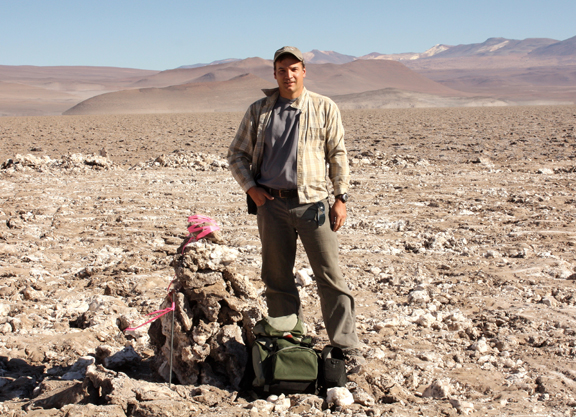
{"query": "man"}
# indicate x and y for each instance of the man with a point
(279, 158)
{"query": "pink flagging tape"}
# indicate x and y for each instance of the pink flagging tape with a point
(159, 313)
(197, 221)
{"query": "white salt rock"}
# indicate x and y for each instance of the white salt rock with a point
(339, 396)
(375, 270)
(223, 255)
(158, 242)
(262, 405)
(550, 301)
(545, 171)
(363, 398)
(417, 312)
(282, 404)
(508, 363)
(50, 355)
(438, 389)
(31, 294)
(16, 325)
(456, 316)
(303, 277)
(78, 370)
(463, 407)
(429, 357)
(5, 328)
(480, 345)
(4, 309)
(426, 320)
(422, 162)
(219, 164)
(485, 358)
(379, 326)
(418, 297)
(484, 161)
(376, 353)
(391, 322)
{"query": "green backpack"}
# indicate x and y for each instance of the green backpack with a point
(283, 359)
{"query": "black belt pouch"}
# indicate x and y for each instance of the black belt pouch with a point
(252, 207)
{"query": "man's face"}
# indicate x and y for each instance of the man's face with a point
(290, 73)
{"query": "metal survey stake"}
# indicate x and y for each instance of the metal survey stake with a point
(171, 342)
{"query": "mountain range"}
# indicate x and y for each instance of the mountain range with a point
(491, 47)
(498, 71)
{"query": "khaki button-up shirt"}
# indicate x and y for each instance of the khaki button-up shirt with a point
(320, 143)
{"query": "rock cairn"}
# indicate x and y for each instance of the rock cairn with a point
(216, 309)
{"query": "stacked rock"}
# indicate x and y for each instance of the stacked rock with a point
(216, 309)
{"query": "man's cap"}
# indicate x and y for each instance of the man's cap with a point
(292, 50)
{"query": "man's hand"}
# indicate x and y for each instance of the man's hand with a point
(259, 195)
(337, 215)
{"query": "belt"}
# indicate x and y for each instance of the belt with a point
(282, 193)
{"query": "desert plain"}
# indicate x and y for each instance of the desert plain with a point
(459, 249)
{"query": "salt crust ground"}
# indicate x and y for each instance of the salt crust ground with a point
(459, 248)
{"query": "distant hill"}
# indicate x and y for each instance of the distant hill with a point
(363, 75)
(21, 99)
(392, 98)
(210, 73)
(559, 49)
(235, 94)
(106, 77)
(27, 90)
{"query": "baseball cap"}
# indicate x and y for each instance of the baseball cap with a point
(292, 50)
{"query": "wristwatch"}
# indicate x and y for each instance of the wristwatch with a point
(342, 197)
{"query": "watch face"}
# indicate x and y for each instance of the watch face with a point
(342, 197)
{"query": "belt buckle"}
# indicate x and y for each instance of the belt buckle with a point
(282, 195)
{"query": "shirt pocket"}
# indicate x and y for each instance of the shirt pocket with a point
(316, 141)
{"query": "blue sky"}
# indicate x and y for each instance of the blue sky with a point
(150, 34)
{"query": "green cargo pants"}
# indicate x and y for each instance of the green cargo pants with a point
(280, 222)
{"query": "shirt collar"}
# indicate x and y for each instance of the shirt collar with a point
(274, 92)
